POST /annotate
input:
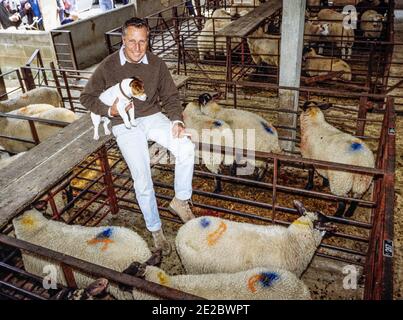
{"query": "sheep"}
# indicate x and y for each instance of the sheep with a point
(34, 96)
(264, 47)
(322, 141)
(371, 24)
(4, 162)
(124, 91)
(316, 64)
(213, 245)
(205, 42)
(111, 247)
(266, 135)
(330, 15)
(256, 284)
(314, 31)
(95, 289)
(19, 128)
(240, 10)
(207, 130)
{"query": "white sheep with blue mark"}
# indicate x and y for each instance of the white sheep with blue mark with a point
(213, 245)
(112, 247)
(265, 135)
(322, 141)
(206, 130)
(254, 284)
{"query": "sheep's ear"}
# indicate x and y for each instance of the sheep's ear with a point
(300, 207)
(97, 287)
(155, 259)
(325, 106)
(322, 217)
(205, 98)
(308, 104)
(40, 205)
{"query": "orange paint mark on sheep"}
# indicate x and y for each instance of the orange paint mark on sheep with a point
(106, 242)
(252, 281)
(213, 237)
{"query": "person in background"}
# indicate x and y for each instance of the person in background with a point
(30, 8)
(106, 5)
(69, 17)
(60, 10)
(7, 19)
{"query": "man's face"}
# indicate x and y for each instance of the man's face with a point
(135, 42)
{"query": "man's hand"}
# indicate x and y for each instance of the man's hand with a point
(178, 130)
(114, 108)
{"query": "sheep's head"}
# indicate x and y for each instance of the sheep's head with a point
(313, 220)
(205, 98)
(324, 29)
(313, 110)
(29, 223)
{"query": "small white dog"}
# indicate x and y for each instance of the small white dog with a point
(125, 90)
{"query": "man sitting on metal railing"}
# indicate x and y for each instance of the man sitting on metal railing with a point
(133, 59)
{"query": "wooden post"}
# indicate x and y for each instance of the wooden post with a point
(3, 89)
(292, 40)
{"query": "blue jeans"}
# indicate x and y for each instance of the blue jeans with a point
(106, 5)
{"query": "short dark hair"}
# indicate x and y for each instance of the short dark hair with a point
(135, 22)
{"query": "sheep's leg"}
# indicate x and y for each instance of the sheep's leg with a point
(310, 184)
(218, 185)
(341, 207)
(320, 48)
(351, 209)
(325, 183)
(233, 169)
(343, 53)
(350, 52)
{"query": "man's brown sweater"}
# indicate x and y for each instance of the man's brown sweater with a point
(158, 84)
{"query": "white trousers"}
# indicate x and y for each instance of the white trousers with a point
(134, 148)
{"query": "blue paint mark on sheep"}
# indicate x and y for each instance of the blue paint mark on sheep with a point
(218, 123)
(356, 146)
(268, 278)
(107, 233)
(205, 222)
(267, 127)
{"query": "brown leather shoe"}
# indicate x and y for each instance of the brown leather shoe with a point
(182, 209)
(160, 242)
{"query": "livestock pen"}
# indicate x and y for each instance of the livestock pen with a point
(106, 198)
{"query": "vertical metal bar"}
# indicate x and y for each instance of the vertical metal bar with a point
(45, 79)
(362, 114)
(66, 83)
(112, 199)
(69, 276)
(20, 81)
(28, 78)
(57, 82)
(228, 65)
(33, 131)
(274, 197)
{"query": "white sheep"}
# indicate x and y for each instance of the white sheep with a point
(124, 91)
(111, 247)
(213, 245)
(266, 136)
(372, 24)
(255, 284)
(242, 7)
(206, 38)
(5, 161)
(316, 65)
(264, 47)
(207, 130)
(19, 128)
(322, 141)
(34, 96)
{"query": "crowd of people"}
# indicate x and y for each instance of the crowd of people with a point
(27, 14)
